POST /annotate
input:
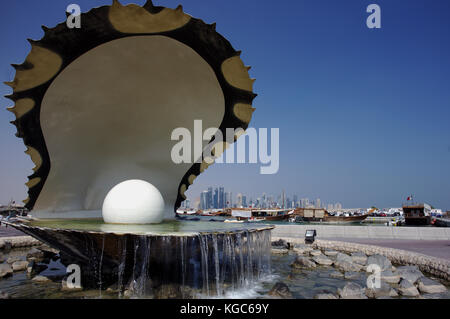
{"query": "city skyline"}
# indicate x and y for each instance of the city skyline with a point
(216, 197)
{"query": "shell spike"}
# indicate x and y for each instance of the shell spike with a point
(32, 42)
(11, 97)
(45, 28)
(148, 4)
(179, 8)
(213, 26)
(238, 53)
(248, 68)
(10, 84)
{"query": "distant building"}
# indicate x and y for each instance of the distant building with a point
(215, 198)
(210, 198)
(304, 202)
(221, 200)
(239, 200)
(318, 204)
(204, 200)
(227, 200)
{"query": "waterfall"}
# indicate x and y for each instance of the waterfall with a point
(207, 264)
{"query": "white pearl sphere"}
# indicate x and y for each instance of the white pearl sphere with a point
(133, 202)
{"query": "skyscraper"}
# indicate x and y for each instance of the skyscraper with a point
(204, 200)
(221, 197)
(210, 198)
(239, 200)
(216, 198)
(227, 200)
(318, 205)
(295, 200)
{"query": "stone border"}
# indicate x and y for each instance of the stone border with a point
(19, 242)
(437, 267)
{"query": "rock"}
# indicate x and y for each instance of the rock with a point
(406, 288)
(330, 253)
(359, 258)
(302, 248)
(35, 268)
(344, 258)
(7, 246)
(303, 262)
(352, 291)
(5, 270)
(322, 260)
(410, 273)
(429, 286)
(18, 242)
(35, 253)
(2, 258)
(325, 296)
(382, 261)
(41, 279)
(315, 253)
(113, 288)
(49, 252)
(347, 266)
(128, 293)
(336, 274)
(281, 243)
(30, 266)
(351, 275)
(280, 290)
(20, 265)
(385, 290)
(12, 260)
(169, 291)
(279, 250)
(389, 277)
(4, 295)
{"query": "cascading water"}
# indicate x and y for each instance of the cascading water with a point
(190, 266)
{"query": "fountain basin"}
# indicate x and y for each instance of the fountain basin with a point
(178, 259)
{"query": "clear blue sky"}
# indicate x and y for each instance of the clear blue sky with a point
(363, 114)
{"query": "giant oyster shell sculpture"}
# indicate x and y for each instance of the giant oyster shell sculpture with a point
(96, 105)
